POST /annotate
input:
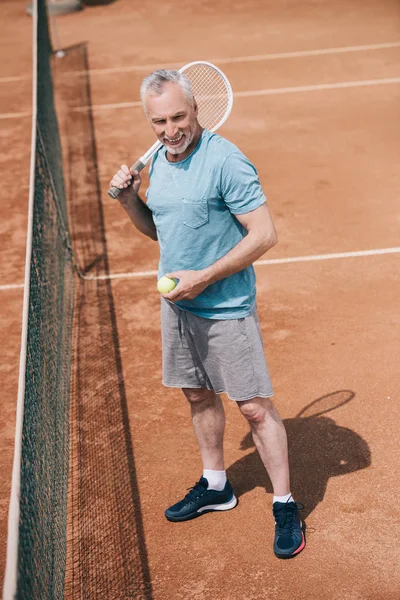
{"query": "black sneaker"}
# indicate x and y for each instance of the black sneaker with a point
(289, 535)
(201, 500)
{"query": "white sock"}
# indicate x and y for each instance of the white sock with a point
(283, 499)
(216, 479)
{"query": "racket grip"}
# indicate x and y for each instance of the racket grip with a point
(114, 192)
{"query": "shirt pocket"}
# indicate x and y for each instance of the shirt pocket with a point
(194, 212)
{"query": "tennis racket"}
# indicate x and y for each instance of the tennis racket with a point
(213, 94)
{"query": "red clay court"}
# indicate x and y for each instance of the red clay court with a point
(317, 110)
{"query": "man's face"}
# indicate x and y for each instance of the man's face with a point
(173, 119)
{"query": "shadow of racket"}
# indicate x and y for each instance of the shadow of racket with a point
(326, 404)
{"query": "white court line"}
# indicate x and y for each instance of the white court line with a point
(266, 92)
(224, 61)
(15, 78)
(20, 115)
(322, 86)
(251, 58)
(271, 261)
(11, 286)
(281, 261)
(245, 94)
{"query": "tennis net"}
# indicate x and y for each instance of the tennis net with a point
(37, 517)
(106, 550)
(75, 525)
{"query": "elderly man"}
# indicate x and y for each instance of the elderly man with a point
(208, 212)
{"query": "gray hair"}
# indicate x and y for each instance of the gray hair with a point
(155, 82)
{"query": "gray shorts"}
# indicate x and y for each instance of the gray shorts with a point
(221, 355)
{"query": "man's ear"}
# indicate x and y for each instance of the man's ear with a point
(196, 108)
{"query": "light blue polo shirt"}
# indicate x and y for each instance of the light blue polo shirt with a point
(194, 203)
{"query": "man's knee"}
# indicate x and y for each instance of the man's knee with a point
(256, 410)
(199, 395)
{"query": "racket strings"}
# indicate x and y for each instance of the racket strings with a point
(211, 93)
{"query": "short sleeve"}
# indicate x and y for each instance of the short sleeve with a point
(240, 187)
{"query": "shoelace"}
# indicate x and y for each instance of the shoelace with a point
(196, 492)
(285, 516)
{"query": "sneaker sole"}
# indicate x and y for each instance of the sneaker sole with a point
(205, 509)
(296, 552)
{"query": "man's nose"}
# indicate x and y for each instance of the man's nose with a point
(170, 130)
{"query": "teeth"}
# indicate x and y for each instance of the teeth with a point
(177, 139)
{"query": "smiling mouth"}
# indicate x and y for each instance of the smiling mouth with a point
(174, 142)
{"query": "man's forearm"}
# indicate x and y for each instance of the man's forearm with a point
(141, 216)
(245, 253)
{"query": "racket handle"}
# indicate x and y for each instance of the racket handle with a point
(114, 192)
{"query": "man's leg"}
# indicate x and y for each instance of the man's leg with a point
(270, 438)
(208, 419)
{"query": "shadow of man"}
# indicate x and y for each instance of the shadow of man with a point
(318, 449)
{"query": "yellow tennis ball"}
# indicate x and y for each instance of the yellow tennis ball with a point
(165, 285)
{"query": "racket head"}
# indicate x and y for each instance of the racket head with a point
(212, 92)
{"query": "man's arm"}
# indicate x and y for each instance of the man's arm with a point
(139, 213)
(141, 216)
(260, 237)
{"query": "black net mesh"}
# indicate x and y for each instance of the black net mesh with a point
(81, 533)
(45, 448)
(106, 556)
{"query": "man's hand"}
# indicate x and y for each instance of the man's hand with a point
(191, 284)
(129, 182)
